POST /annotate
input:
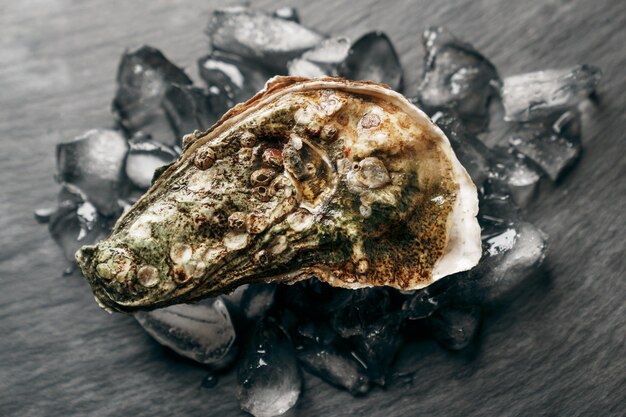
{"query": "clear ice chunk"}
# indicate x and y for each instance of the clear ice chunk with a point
(42, 215)
(287, 13)
(513, 251)
(94, 162)
(378, 344)
(422, 303)
(335, 366)
(201, 332)
(268, 373)
(143, 77)
(144, 158)
(553, 144)
(258, 36)
(457, 76)
(510, 257)
(373, 58)
(521, 177)
(234, 297)
(88, 218)
(535, 95)
(358, 309)
(482, 162)
(323, 60)
(473, 154)
(318, 332)
(455, 328)
(75, 222)
(257, 299)
(65, 228)
(191, 108)
(239, 78)
(497, 208)
(312, 298)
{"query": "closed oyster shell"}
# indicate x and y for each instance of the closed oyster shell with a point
(342, 180)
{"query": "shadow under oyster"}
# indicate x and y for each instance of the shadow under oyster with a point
(342, 180)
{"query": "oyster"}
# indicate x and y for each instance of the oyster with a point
(341, 180)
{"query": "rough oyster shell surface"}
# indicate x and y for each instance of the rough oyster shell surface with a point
(343, 180)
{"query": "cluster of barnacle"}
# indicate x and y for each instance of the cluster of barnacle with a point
(346, 337)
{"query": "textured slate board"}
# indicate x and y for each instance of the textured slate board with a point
(558, 349)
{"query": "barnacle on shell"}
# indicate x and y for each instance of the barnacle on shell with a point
(342, 180)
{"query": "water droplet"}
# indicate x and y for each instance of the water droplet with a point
(209, 381)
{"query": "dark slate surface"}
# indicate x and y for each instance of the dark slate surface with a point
(559, 349)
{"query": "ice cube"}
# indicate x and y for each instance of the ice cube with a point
(300, 67)
(454, 328)
(482, 162)
(144, 158)
(422, 303)
(373, 58)
(202, 332)
(312, 298)
(240, 78)
(268, 373)
(323, 60)
(318, 332)
(521, 177)
(42, 215)
(236, 295)
(75, 222)
(378, 344)
(472, 153)
(256, 35)
(94, 162)
(88, 218)
(535, 95)
(191, 108)
(358, 309)
(287, 13)
(335, 366)
(257, 299)
(497, 208)
(510, 258)
(457, 76)
(143, 77)
(553, 144)
(185, 108)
